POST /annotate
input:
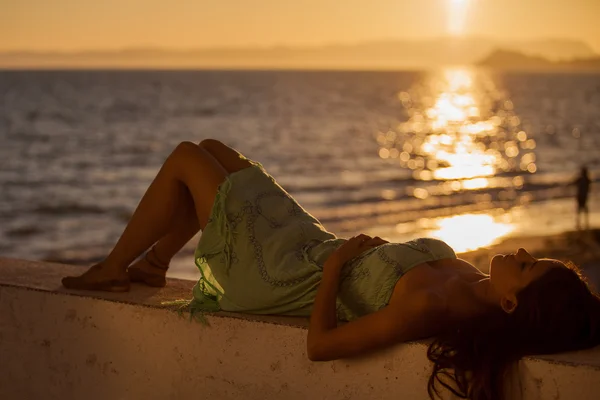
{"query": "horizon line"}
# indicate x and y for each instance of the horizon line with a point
(154, 47)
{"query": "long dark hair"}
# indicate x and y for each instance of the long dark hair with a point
(557, 312)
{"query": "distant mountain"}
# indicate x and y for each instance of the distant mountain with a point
(387, 54)
(506, 59)
(552, 49)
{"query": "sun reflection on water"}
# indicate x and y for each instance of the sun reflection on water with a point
(460, 127)
(461, 134)
(470, 231)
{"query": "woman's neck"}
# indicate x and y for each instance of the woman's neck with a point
(470, 299)
(484, 293)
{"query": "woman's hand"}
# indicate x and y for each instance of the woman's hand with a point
(323, 318)
(354, 247)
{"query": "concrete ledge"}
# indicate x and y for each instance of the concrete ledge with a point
(60, 344)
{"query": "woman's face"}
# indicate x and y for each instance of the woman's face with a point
(511, 273)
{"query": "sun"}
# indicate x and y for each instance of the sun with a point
(457, 15)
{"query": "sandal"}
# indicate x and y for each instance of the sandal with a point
(157, 279)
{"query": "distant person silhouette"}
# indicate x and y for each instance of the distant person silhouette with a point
(583, 189)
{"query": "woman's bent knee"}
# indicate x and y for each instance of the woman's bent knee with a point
(186, 145)
(212, 144)
(188, 159)
(184, 149)
(229, 158)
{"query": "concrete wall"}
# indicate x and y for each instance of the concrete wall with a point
(59, 344)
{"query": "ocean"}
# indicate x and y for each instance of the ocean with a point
(468, 156)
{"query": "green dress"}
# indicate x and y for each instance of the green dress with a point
(262, 253)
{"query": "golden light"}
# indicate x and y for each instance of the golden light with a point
(453, 112)
(460, 128)
(470, 231)
(457, 15)
(461, 134)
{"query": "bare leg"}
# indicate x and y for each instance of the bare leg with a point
(184, 227)
(152, 268)
(587, 217)
(152, 220)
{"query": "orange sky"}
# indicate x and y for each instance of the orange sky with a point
(111, 24)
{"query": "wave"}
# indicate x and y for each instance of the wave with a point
(68, 208)
(435, 206)
(23, 231)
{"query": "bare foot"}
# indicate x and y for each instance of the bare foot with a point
(98, 277)
(149, 270)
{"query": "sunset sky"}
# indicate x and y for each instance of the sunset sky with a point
(115, 24)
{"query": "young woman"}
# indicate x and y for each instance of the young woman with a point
(260, 252)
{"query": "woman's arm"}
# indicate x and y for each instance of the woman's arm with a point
(324, 317)
(395, 323)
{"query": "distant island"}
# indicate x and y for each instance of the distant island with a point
(513, 60)
(379, 54)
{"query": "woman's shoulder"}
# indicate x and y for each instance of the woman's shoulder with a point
(420, 291)
(432, 301)
(423, 316)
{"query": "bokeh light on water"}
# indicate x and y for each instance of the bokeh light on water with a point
(462, 134)
(460, 127)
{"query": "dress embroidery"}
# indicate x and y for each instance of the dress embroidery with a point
(256, 211)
